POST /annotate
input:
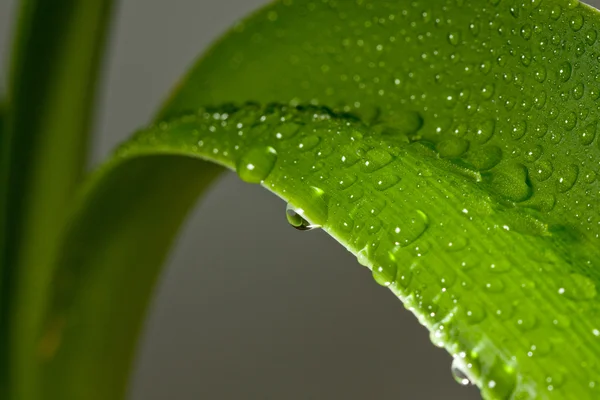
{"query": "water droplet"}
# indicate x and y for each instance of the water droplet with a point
(567, 178)
(504, 311)
(518, 130)
(542, 170)
(555, 12)
(534, 153)
(308, 142)
(590, 176)
(525, 321)
(474, 313)
(415, 224)
(456, 243)
(578, 287)
(256, 164)
(458, 374)
(296, 219)
(539, 101)
(576, 22)
(578, 91)
(494, 286)
(587, 135)
(345, 180)
(453, 147)
(454, 38)
(384, 275)
(510, 181)
(541, 130)
(286, 131)
(540, 74)
(554, 380)
(385, 180)
(484, 158)
(564, 71)
(499, 267)
(376, 159)
(526, 31)
(590, 37)
(569, 121)
(487, 91)
(484, 131)
(348, 156)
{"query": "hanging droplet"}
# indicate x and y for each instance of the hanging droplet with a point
(296, 219)
(458, 374)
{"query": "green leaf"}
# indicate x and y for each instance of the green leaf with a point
(43, 156)
(457, 160)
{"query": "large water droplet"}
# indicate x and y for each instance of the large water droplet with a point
(296, 219)
(459, 375)
(484, 158)
(376, 159)
(474, 313)
(587, 135)
(412, 228)
(402, 123)
(518, 130)
(576, 22)
(256, 165)
(578, 287)
(567, 178)
(511, 182)
(564, 71)
(484, 131)
(453, 147)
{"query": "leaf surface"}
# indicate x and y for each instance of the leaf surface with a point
(457, 159)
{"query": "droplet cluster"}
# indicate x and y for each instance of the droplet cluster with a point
(458, 159)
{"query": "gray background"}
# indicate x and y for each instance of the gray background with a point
(249, 308)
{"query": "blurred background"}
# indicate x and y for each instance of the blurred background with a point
(248, 307)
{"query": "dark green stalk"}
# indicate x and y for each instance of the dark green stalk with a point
(57, 54)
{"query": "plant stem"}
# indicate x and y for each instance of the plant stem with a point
(57, 54)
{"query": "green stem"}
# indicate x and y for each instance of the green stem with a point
(57, 53)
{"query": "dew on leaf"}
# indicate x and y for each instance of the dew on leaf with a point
(576, 22)
(458, 374)
(452, 147)
(569, 121)
(564, 71)
(411, 229)
(510, 182)
(474, 313)
(375, 159)
(256, 164)
(567, 178)
(484, 131)
(384, 275)
(540, 74)
(295, 218)
(308, 142)
(578, 287)
(525, 321)
(485, 157)
(542, 170)
(518, 130)
(385, 181)
(588, 134)
(487, 91)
